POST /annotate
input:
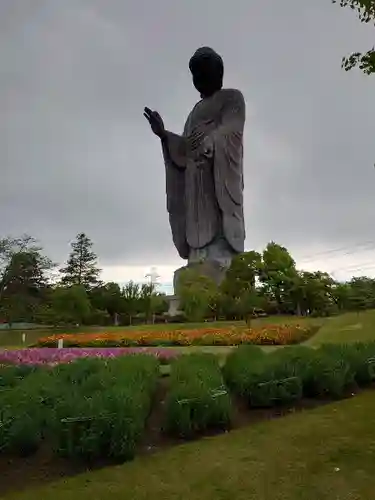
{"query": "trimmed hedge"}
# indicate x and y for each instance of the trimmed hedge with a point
(260, 378)
(321, 375)
(197, 400)
(87, 409)
(25, 410)
(11, 375)
(106, 415)
(359, 356)
(288, 374)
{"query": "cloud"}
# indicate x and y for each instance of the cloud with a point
(76, 154)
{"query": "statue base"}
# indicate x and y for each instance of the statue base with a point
(210, 268)
(174, 303)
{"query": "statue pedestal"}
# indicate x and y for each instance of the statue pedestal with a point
(210, 268)
(174, 303)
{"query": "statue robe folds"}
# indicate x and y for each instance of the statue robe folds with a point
(205, 184)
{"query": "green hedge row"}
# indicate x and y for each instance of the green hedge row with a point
(197, 399)
(359, 356)
(25, 411)
(259, 378)
(10, 375)
(107, 415)
(288, 374)
(86, 409)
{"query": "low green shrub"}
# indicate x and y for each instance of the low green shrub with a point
(104, 416)
(321, 375)
(286, 374)
(90, 408)
(360, 356)
(278, 391)
(260, 378)
(197, 399)
(78, 371)
(241, 365)
(11, 375)
(240, 359)
(25, 412)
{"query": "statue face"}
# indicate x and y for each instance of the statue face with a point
(207, 71)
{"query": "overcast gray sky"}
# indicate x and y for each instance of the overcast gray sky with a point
(77, 155)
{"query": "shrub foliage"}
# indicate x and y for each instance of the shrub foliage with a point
(89, 408)
(197, 400)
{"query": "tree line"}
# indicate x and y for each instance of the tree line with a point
(30, 292)
(256, 283)
(269, 283)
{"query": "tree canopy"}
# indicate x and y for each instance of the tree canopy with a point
(365, 10)
(266, 282)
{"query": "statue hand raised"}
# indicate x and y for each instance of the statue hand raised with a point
(156, 122)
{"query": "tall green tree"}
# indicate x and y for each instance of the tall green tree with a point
(108, 297)
(81, 268)
(314, 293)
(366, 13)
(131, 293)
(152, 302)
(278, 275)
(361, 294)
(68, 305)
(197, 293)
(248, 303)
(341, 294)
(11, 246)
(242, 273)
(24, 285)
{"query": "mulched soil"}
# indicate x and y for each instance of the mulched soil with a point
(20, 473)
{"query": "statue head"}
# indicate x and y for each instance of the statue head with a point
(207, 68)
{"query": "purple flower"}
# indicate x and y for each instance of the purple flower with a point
(52, 356)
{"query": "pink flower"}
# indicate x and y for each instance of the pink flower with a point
(54, 356)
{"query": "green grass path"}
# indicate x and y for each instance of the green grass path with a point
(327, 453)
(349, 327)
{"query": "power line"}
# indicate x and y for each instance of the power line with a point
(353, 269)
(369, 245)
(345, 250)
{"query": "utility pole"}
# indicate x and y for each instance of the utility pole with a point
(153, 277)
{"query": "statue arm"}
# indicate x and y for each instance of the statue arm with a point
(174, 149)
(175, 161)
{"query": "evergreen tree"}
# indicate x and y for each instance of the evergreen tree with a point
(81, 268)
(24, 285)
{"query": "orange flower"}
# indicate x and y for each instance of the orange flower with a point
(235, 335)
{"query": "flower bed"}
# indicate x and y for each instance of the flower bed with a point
(267, 335)
(53, 356)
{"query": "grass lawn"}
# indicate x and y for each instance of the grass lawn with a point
(327, 453)
(349, 327)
